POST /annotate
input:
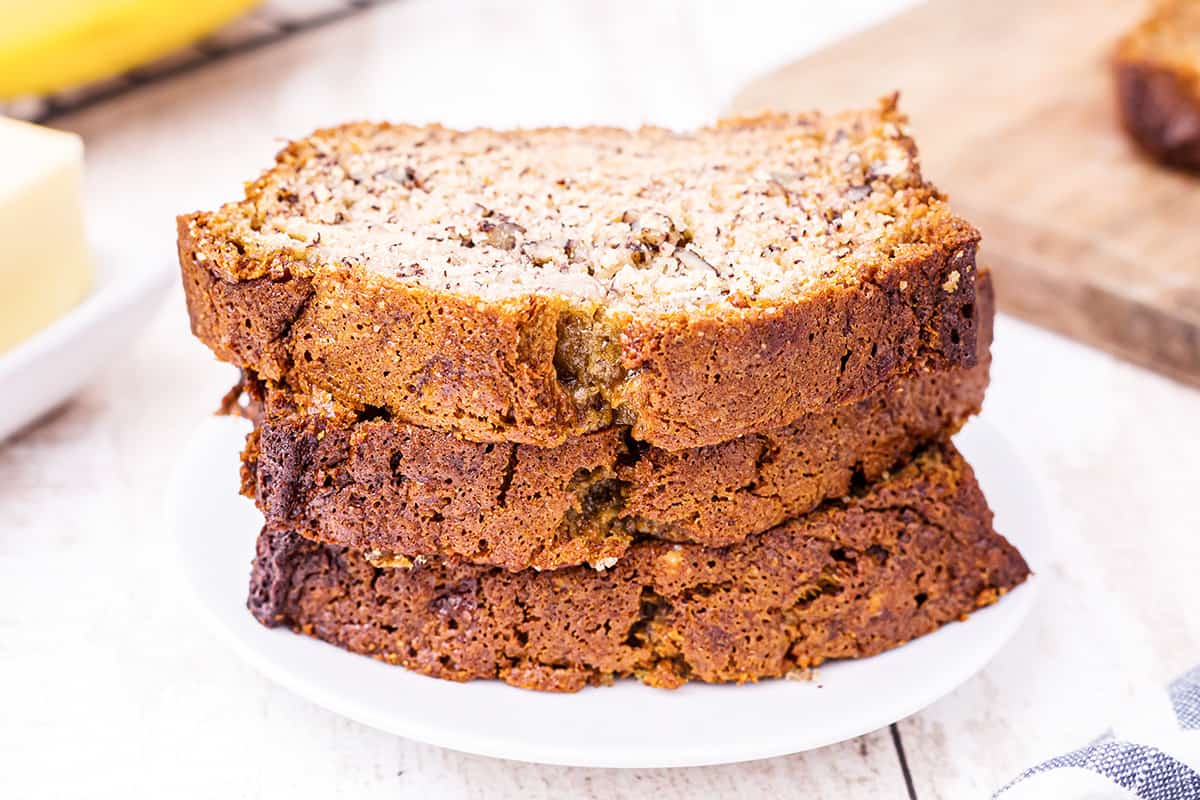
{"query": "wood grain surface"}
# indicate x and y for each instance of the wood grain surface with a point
(1012, 104)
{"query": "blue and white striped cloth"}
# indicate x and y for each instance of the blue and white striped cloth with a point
(1155, 755)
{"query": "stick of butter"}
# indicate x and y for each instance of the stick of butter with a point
(45, 269)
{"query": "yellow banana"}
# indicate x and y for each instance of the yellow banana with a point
(49, 45)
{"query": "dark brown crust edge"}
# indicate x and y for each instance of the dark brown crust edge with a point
(487, 372)
(1160, 111)
(850, 580)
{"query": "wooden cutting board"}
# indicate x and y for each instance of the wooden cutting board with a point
(1012, 106)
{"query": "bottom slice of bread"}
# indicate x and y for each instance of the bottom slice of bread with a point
(854, 578)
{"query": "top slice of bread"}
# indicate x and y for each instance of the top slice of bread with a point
(529, 285)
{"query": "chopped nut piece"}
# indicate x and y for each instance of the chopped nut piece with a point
(543, 251)
(501, 234)
(379, 558)
(651, 228)
(692, 260)
(951, 283)
(672, 559)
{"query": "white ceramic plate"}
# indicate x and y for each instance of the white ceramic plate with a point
(44, 370)
(626, 725)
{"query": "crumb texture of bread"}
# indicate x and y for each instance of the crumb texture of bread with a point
(528, 286)
(852, 579)
(1157, 72)
(759, 210)
(397, 490)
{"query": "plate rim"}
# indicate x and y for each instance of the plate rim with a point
(1021, 602)
(110, 291)
(58, 360)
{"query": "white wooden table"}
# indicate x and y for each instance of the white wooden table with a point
(109, 687)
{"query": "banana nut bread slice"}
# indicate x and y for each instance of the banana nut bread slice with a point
(1157, 67)
(528, 286)
(852, 579)
(399, 491)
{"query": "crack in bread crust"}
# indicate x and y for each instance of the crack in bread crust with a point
(541, 367)
(851, 579)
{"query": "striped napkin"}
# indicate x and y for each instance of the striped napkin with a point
(1154, 755)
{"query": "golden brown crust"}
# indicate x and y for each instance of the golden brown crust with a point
(1157, 78)
(849, 580)
(487, 371)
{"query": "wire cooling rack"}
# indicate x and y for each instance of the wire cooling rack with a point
(270, 22)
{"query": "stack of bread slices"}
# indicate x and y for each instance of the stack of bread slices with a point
(562, 406)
